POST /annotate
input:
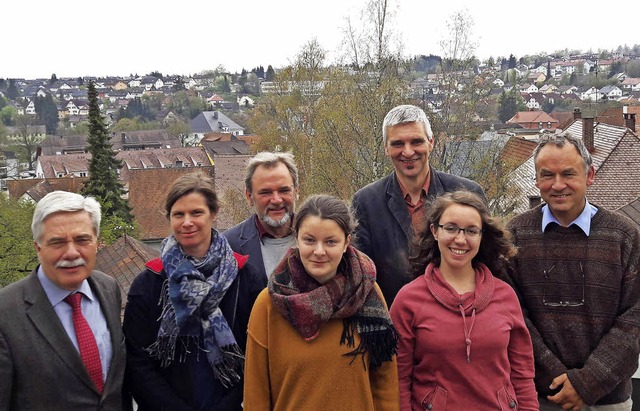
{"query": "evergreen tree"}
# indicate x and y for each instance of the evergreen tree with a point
(270, 74)
(47, 113)
(103, 181)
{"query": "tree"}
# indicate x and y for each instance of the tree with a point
(47, 113)
(12, 90)
(53, 79)
(333, 115)
(17, 253)
(103, 183)
(509, 104)
(270, 74)
(26, 142)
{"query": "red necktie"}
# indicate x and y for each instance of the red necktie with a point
(86, 341)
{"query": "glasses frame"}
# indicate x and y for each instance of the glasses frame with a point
(463, 230)
(561, 303)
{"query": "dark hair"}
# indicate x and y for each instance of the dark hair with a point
(329, 208)
(197, 182)
(495, 244)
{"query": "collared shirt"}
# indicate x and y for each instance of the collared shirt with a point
(583, 220)
(416, 211)
(91, 311)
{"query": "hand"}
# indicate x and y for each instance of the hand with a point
(568, 398)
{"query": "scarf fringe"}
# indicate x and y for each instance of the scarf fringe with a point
(377, 338)
(229, 370)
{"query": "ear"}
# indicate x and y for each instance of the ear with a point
(38, 248)
(346, 243)
(247, 195)
(386, 149)
(591, 175)
(434, 231)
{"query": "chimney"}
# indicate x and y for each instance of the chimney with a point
(215, 115)
(577, 113)
(587, 133)
(534, 201)
(630, 121)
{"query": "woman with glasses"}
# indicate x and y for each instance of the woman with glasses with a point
(463, 341)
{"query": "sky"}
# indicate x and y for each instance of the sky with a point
(123, 37)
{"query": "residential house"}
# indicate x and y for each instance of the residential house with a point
(534, 120)
(611, 92)
(630, 84)
(533, 101)
(549, 88)
(213, 121)
(529, 88)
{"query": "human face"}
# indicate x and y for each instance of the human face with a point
(562, 180)
(191, 221)
(273, 197)
(457, 251)
(321, 243)
(408, 148)
(67, 248)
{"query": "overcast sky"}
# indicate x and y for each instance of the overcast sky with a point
(122, 37)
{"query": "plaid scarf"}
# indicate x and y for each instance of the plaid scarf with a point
(191, 313)
(350, 295)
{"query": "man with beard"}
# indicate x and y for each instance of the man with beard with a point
(271, 183)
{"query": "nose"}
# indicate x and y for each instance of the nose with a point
(319, 249)
(275, 197)
(407, 150)
(558, 184)
(187, 221)
(71, 253)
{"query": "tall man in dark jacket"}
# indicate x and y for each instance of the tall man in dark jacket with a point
(271, 182)
(391, 209)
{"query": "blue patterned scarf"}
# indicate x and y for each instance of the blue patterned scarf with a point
(191, 314)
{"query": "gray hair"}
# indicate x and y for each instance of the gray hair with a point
(64, 202)
(560, 140)
(270, 160)
(403, 114)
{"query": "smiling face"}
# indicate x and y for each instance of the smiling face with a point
(457, 251)
(273, 196)
(191, 221)
(408, 148)
(321, 243)
(562, 180)
(67, 248)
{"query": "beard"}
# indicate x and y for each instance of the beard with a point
(276, 223)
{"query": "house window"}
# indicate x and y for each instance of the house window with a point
(83, 174)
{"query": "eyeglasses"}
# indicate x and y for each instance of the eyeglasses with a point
(452, 230)
(561, 292)
(286, 191)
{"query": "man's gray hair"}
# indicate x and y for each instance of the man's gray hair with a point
(64, 202)
(270, 160)
(403, 114)
(560, 140)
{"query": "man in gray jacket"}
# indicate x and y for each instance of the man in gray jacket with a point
(56, 354)
(391, 209)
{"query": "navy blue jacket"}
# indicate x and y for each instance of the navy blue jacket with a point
(176, 387)
(245, 239)
(384, 225)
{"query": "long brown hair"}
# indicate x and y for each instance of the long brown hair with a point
(495, 245)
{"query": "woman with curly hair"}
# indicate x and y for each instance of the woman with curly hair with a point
(463, 340)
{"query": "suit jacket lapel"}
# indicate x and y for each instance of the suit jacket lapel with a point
(46, 321)
(250, 245)
(397, 206)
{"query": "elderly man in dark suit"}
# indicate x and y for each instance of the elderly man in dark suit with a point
(61, 343)
(391, 209)
(271, 183)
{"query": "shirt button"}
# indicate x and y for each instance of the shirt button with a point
(429, 406)
(512, 404)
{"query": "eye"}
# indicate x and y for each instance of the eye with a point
(308, 240)
(418, 142)
(472, 231)
(285, 191)
(451, 228)
(396, 144)
(332, 242)
(84, 241)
